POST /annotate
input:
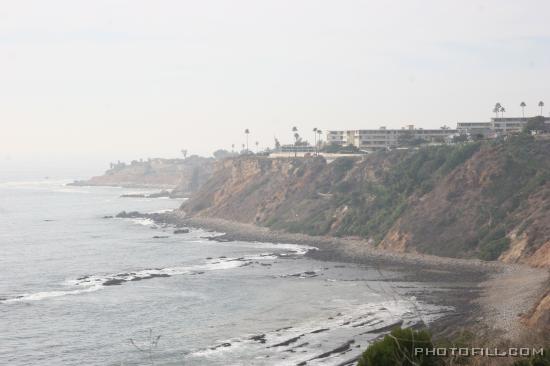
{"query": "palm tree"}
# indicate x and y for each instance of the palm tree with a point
(497, 109)
(319, 132)
(315, 139)
(232, 147)
(541, 104)
(502, 110)
(296, 139)
(257, 143)
(523, 105)
(247, 132)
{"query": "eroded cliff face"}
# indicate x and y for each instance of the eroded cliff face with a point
(490, 201)
(182, 175)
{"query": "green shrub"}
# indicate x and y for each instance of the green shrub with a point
(493, 249)
(538, 360)
(397, 349)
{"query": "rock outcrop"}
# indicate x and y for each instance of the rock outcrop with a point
(181, 176)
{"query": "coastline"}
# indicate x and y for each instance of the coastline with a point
(486, 296)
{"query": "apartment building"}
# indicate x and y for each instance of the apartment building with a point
(497, 126)
(383, 138)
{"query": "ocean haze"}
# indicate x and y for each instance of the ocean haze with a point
(133, 79)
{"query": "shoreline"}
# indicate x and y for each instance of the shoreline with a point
(486, 296)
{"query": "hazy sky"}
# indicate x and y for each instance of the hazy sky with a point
(105, 80)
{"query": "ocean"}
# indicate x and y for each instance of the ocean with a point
(78, 287)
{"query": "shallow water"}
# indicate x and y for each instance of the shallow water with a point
(80, 289)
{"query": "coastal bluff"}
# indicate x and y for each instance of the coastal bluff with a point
(478, 200)
(482, 200)
(181, 176)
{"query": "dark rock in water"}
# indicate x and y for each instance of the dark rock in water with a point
(307, 274)
(163, 193)
(83, 278)
(245, 264)
(108, 217)
(181, 231)
(220, 238)
(130, 215)
(160, 236)
(320, 330)
(113, 282)
(197, 273)
(208, 257)
(343, 348)
(227, 344)
(154, 275)
(48, 220)
(285, 328)
(287, 342)
(258, 338)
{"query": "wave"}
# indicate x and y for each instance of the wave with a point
(49, 294)
(90, 283)
(143, 221)
(344, 335)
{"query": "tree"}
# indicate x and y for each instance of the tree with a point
(247, 132)
(296, 137)
(541, 104)
(184, 153)
(257, 143)
(319, 132)
(222, 154)
(315, 138)
(277, 144)
(534, 124)
(502, 110)
(523, 105)
(497, 109)
(460, 138)
(398, 349)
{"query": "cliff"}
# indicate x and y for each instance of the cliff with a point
(486, 200)
(183, 176)
(478, 200)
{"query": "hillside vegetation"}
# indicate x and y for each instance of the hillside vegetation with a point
(487, 200)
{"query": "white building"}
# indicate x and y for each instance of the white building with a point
(497, 126)
(383, 138)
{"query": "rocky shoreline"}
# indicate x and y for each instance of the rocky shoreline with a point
(487, 296)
